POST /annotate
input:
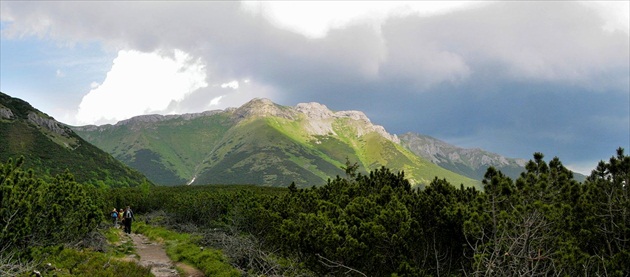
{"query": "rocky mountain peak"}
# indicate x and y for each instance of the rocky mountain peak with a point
(261, 107)
(314, 110)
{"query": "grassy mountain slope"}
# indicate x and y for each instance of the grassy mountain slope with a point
(258, 143)
(371, 150)
(167, 151)
(255, 153)
(50, 147)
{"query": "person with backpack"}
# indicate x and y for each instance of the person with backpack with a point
(128, 217)
(121, 219)
(115, 218)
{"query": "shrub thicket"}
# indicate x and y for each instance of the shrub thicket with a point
(542, 223)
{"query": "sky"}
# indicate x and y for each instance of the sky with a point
(513, 78)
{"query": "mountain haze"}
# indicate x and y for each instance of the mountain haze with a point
(472, 163)
(259, 143)
(50, 147)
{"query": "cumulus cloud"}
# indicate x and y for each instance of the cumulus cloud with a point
(314, 19)
(426, 42)
(141, 83)
(499, 75)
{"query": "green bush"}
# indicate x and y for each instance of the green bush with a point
(43, 213)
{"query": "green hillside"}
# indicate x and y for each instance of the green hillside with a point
(50, 147)
(259, 143)
(255, 153)
(371, 151)
(167, 152)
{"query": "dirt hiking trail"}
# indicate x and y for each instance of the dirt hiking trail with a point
(152, 255)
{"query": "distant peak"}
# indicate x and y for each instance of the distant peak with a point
(262, 107)
(314, 110)
(258, 102)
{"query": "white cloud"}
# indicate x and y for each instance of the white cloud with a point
(215, 101)
(358, 54)
(616, 14)
(141, 83)
(314, 19)
(232, 85)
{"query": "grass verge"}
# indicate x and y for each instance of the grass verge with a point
(183, 248)
(107, 259)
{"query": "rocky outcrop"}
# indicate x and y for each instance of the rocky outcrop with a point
(49, 124)
(5, 113)
(320, 120)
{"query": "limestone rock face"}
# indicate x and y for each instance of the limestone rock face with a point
(49, 124)
(6, 113)
(314, 110)
(320, 120)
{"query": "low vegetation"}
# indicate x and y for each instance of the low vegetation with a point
(183, 247)
(375, 224)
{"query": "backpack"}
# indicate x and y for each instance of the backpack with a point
(114, 214)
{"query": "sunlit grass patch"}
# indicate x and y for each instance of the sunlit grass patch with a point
(183, 248)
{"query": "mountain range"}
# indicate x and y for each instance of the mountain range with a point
(265, 143)
(50, 148)
(472, 163)
(258, 143)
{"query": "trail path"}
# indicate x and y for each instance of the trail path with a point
(152, 255)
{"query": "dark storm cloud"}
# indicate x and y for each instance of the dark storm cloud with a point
(510, 77)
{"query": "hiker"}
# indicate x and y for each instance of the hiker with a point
(115, 218)
(121, 219)
(128, 218)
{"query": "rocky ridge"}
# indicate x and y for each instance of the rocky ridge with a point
(319, 119)
(438, 151)
(453, 157)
